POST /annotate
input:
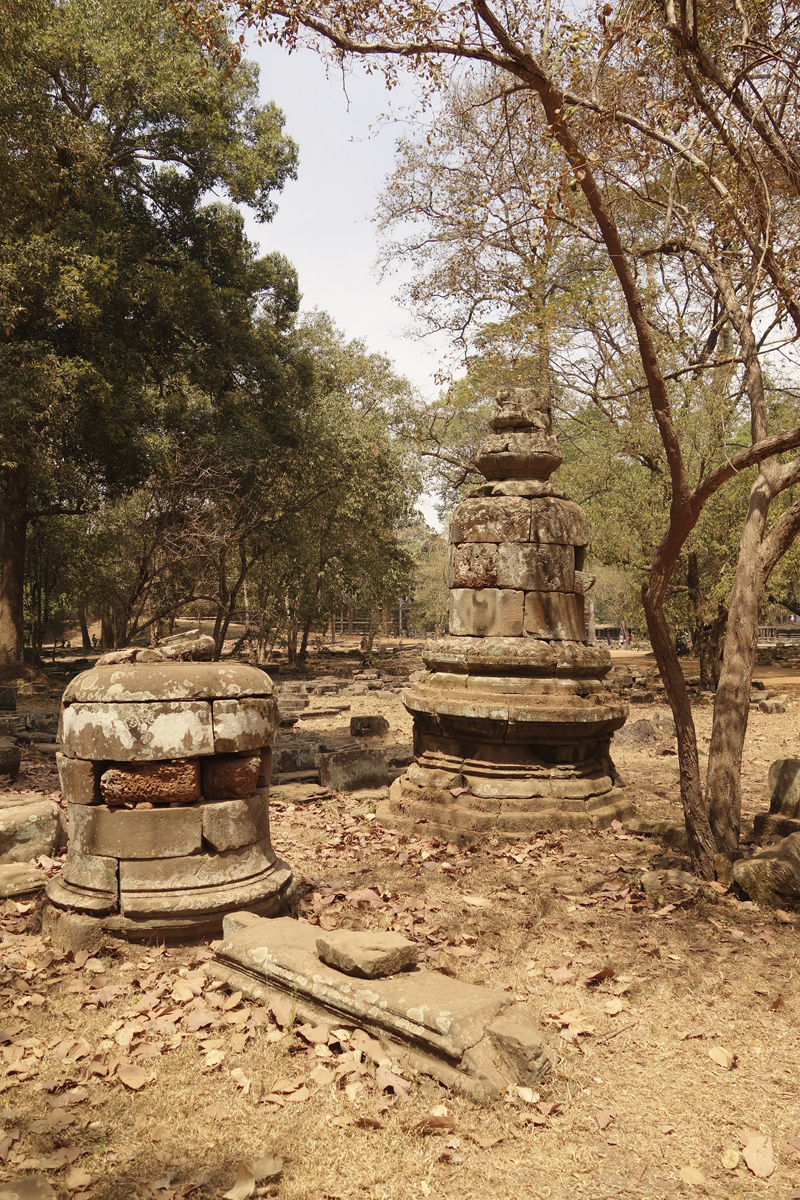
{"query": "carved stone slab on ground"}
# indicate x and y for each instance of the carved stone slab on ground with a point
(371, 955)
(471, 1038)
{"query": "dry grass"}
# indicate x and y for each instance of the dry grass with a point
(717, 968)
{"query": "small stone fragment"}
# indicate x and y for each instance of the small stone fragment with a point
(349, 770)
(370, 955)
(30, 826)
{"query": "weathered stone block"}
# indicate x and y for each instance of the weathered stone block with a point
(367, 953)
(136, 682)
(518, 1045)
(473, 565)
(20, 879)
(772, 877)
(194, 870)
(229, 824)
(368, 725)
(159, 782)
(79, 781)
(555, 616)
(10, 757)
(72, 931)
(265, 769)
(136, 833)
(349, 770)
(559, 521)
(784, 787)
(137, 732)
(230, 777)
(246, 724)
(489, 612)
(8, 699)
(518, 455)
(536, 568)
(491, 519)
(30, 826)
(90, 870)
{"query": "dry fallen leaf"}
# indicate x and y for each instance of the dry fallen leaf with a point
(132, 1077)
(758, 1156)
(267, 1167)
(730, 1159)
(604, 1117)
(240, 1079)
(486, 1143)
(722, 1057)
(613, 1007)
(692, 1177)
(77, 1178)
(433, 1123)
(245, 1184)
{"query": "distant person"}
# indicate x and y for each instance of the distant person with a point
(94, 640)
(608, 638)
(629, 637)
(621, 639)
(793, 619)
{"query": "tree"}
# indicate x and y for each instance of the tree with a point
(120, 285)
(695, 115)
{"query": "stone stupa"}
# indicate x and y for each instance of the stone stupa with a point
(512, 721)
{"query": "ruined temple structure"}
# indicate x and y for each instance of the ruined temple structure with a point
(512, 722)
(165, 768)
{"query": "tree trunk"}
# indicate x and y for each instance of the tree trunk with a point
(732, 702)
(12, 566)
(706, 635)
(86, 641)
(701, 841)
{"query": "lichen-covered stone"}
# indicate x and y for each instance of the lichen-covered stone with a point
(159, 782)
(473, 565)
(543, 568)
(558, 521)
(137, 732)
(246, 724)
(230, 776)
(132, 682)
(90, 870)
(30, 826)
(772, 877)
(494, 519)
(228, 824)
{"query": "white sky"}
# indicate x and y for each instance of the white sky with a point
(323, 224)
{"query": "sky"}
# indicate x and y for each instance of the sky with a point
(323, 224)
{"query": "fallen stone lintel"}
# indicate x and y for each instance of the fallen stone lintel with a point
(471, 1038)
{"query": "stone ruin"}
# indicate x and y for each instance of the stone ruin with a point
(165, 769)
(512, 722)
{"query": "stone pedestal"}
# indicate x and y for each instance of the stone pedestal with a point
(165, 770)
(512, 723)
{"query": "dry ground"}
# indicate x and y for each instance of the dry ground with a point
(634, 1099)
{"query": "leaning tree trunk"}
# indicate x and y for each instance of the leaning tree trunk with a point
(701, 841)
(732, 702)
(12, 566)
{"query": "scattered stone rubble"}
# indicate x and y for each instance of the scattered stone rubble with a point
(471, 1038)
(771, 876)
(513, 722)
(165, 769)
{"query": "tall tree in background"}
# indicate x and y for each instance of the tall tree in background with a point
(119, 284)
(696, 115)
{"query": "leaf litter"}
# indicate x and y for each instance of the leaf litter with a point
(560, 903)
